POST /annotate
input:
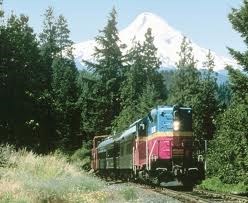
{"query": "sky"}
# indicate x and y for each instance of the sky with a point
(205, 22)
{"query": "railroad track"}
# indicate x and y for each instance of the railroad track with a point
(227, 197)
(195, 196)
(201, 196)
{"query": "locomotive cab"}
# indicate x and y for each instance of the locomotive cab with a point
(170, 145)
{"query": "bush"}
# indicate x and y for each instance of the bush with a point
(81, 157)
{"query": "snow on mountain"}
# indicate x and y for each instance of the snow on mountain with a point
(166, 39)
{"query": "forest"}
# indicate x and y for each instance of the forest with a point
(47, 104)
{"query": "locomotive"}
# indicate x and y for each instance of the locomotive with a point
(157, 149)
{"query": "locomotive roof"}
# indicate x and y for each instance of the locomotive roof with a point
(169, 108)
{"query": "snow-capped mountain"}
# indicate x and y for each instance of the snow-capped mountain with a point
(166, 39)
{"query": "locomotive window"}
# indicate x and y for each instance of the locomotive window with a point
(142, 129)
(176, 115)
(155, 119)
(184, 116)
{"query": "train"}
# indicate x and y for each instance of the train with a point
(157, 149)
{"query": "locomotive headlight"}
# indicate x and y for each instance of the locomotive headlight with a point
(176, 125)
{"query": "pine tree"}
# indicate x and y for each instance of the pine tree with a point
(228, 154)
(186, 80)
(64, 86)
(21, 83)
(65, 92)
(208, 96)
(48, 37)
(143, 86)
(147, 101)
(186, 87)
(88, 102)
(63, 37)
(135, 76)
(228, 157)
(238, 18)
(1, 10)
(152, 64)
(224, 96)
(62, 92)
(109, 68)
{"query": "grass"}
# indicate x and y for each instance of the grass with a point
(28, 177)
(215, 184)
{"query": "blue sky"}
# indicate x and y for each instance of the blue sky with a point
(205, 22)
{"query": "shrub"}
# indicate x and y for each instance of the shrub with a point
(81, 157)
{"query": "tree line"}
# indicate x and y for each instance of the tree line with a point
(47, 103)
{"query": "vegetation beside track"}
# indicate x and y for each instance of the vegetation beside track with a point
(28, 177)
(215, 184)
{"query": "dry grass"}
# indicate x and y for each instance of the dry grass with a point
(28, 177)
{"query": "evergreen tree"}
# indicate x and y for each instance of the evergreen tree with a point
(64, 87)
(143, 86)
(186, 80)
(63, 37)
(49, 45)
(228, 155)
(65, 97)
(135, 77)
(61, 93)
(109, 68)
(21, 83)
(48, 37)
(38, 85)
(238, 85)
(239, 18)
(152, 64)
(88, 102)
(1, 10)
(224, 95)
(187, 90)
(147, 101)
(208, 99)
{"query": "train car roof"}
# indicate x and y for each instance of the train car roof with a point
(134, 123)
(127, 133)
(106, 142)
